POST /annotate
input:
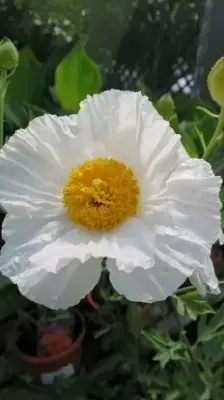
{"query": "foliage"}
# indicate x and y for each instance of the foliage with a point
(26, 78)
(191, 304)
(31, 89)
(147, 364)
(75, 77)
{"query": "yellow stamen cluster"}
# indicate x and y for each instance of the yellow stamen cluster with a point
(101, 193)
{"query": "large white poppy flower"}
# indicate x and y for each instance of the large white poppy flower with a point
(113, 181)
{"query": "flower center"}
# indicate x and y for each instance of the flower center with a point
(101, 193)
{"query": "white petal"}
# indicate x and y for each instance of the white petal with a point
(25, 237)
(132, 244)
(148, 286)
(186, 214)
(117, 118)
(34, 164)
(61, 290)
(175, 261)
(204, 279)
(221, 238)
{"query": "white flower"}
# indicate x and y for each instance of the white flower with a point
(221, 238)
(113, 181)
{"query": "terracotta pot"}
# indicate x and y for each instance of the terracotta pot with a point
(37, 365)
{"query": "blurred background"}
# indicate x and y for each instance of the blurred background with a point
(168, 45)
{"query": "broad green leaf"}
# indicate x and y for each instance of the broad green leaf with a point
(206, 395)
(75, 77)
(189, 144)
(25, 80)
(214, 328)
(202, 323)
(217, 394)
(159, 340)
(163, 358)
(162, 379)
(206, 125)
(177, 352)
(15, 115)
(191, 304)
(47, 74)
(174, 395)
(167, 349)
(166, 106)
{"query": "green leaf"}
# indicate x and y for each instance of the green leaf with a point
(206, 395)
(159, 340)
(135, 319)
(213, 328)
(201, 138)
(174, 123)
(167, 349)
(202, 323)
(16, 116)
(190, 145)
(217, 394)
(191, 304)
(166, 106)
(163, 358)
(75, 77)
(206, 125)
(175, 353)
(174, 395)
(25, 80)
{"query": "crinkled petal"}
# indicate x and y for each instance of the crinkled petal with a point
(204, 279)
(34, 164)
(175, 261)
(117, 118)
(148, 286)
(25, 237)
(186, 214)
(132, 244)
(61, 290)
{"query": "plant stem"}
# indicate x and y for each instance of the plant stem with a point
(137, 358)
(3, 85)
(217, 136)
(187, 289)
(184, 337)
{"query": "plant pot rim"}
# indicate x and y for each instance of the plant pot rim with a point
(34, 360)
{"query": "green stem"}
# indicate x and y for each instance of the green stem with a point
(217, 136)
(184, 337)
(3, 85)
(137, 358)
(188, 289)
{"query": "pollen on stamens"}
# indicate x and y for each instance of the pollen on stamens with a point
(100, 194)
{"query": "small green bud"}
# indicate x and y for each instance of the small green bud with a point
(9, 56)
(215, 82)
